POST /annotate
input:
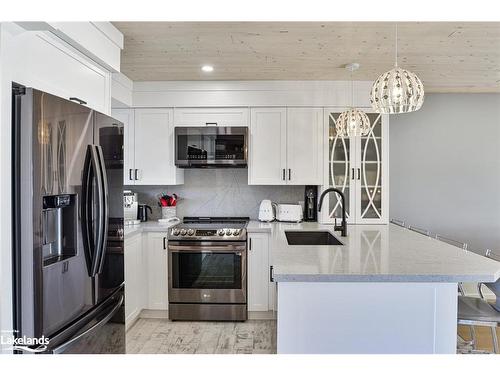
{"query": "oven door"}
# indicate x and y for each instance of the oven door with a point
(207, 272)
(211, 146)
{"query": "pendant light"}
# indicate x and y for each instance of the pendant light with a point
(398, 90)
(353, 122)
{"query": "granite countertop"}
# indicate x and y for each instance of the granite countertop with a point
(148, 226)
(374, 253)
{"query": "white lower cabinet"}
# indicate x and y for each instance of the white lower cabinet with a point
(157, 271)
(258, 272)
(134, 274)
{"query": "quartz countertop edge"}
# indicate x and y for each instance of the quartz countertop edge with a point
(372, 253)
(148, 226)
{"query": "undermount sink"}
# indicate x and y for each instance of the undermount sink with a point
(311, 238)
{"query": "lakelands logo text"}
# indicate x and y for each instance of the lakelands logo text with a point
(24, 343)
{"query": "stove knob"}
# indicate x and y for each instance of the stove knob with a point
(190, 232)
(236, 232)
(220, 232)
(228, 232)
(175, 232)
(183, 232)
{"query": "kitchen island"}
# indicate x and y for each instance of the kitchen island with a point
(385, 290)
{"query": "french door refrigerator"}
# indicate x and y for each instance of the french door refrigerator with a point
(67, 197)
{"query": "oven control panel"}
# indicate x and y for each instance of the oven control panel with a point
(216, 234)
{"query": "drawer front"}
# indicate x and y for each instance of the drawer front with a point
(211, 117)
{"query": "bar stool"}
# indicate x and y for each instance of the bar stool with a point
(398, 222)
(461, 290)
(425, 232)
(474, 311)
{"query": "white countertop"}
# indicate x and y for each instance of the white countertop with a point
(374, 253)
(148, 226)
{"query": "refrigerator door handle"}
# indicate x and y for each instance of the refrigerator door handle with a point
(105, 210)
(91, 244)
(100, 323)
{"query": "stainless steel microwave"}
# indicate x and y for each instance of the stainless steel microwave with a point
(211, 146)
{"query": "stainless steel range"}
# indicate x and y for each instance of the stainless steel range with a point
(207, 277)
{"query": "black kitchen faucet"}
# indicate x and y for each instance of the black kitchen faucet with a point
(343, 225)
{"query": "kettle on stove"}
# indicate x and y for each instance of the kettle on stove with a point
(267, 210)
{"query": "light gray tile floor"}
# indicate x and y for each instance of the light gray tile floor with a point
(162, 336)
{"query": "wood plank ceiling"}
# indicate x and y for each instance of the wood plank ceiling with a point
(448, 56)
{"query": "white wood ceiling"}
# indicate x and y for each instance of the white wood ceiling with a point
(448, 57)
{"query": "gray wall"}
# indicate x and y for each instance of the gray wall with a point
(445, 167)
(218, 192)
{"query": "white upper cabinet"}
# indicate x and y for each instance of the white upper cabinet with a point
(359, 167)
(267, 146)
(304, 146)
(211, 117)
(286, 146)
(153, 149)
(42, 61)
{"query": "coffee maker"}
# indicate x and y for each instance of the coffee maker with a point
(311, 203)
(130, 207)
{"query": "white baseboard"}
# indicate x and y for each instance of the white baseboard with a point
(261, 315)
(154, 314)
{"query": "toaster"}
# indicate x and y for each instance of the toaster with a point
(289, 212)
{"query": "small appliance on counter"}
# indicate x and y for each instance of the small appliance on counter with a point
(142, 213)
(267, 211)
(311, 203)
(130, 208)
(290, 213)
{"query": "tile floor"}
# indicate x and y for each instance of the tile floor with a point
(148, 336)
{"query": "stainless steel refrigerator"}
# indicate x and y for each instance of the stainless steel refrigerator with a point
(68, 225)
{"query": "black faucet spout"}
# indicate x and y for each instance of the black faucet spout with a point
(343, 226)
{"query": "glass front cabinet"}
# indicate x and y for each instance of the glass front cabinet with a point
(359, 167)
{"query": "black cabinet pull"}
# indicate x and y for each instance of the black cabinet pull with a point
(130, 177)
(135, 174)
(271, 279)
(164, 243)
(352, 169)
(284, 177)
(250, 244)
(359, 173)
(79, 101)
(289, 174)
(210, 123)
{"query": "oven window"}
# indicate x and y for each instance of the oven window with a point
(206, 271)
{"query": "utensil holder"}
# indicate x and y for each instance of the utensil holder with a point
(168, 212)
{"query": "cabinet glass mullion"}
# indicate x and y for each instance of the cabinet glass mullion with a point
(370, 205)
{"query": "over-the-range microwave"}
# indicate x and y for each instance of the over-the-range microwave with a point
(211, 146)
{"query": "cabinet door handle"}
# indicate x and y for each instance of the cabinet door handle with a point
(352, 169)
(79, 101)
(271, 279)
(250, 244)
(284, 177)
(289, 174)
(135, 174)
(164, 243)
(130, 177)
(359, 173)
(210, 123)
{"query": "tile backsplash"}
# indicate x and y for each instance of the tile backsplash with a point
(217, 192)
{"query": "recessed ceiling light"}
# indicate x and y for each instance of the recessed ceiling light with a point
(207, 68)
